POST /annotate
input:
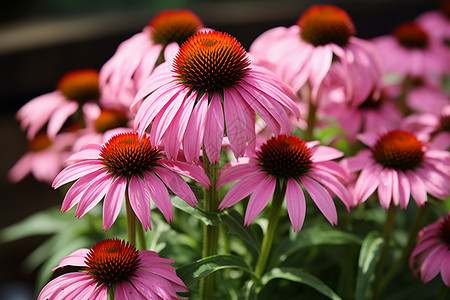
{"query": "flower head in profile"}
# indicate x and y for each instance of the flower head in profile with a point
(211, 86)
(290, 163)
(322, 39)
(432, 253)
(45, 158)
(126, 165)
(437, 22)
(399, 166)
(53, 109)
(135, 58)
(115, 267)
(410, 51)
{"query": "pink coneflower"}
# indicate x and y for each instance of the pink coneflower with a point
(73, 90)
(432, 252)
(377, 112)
(400, 166)
(434, 128)
(322, 39)
(133, 62)
(45, 158)
(210, 86)
(291, 163)
(426, 96)
(437, 22)
(128, 164)
(114, 269)
(410, 51)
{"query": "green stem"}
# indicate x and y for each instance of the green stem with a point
(443, 292)
(141, 236)
(131, 220)
(210, 233)
(311, 118)
(274, 217)
(388, 227)
(111, 293)
(226, 243)
(407, 84)
(415, 227)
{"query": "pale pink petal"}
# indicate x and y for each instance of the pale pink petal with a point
(64, 283)
(21, 168)
(395, 188)
(369, 138)
(418, 189)
(95, 191)
(159, 195)
(46, 165)
(295, 204)
(432, 263)
(320, 65)
(242, 189)
(404, 189)
(59, 117)
(214, 130)
(385, 187)
(236, 170)
(322, 198)
(367, 182)
(192, 171)
(259, 199)
(76, 171)
(140, 200)
(176, 184)
(195, 129)
(235, 123)
(76, 258)
(100, 293)
(333, 168)
(113, 201)
(360, 161)
(331, 183)
(323, 153)
(89, 152)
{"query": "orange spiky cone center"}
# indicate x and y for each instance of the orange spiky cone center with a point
(411, 36)
(110, 119)
(81, 86)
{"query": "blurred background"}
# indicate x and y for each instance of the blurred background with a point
(42, 40)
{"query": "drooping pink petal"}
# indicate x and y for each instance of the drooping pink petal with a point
(445, 269)
(236, 170)
(404, 189)
(360, 161)
(323, 153)
(59, 117)
(369, 138)
(76, 258)
(195, 129)
(320, 61)
(295, 204)
(385, 187)
(242, 189)
(431, 265)
(21, 168)
(94, 192)
(177, 185)
(113, 201)
(331, 183)
(76, 171)
(65, 282)
(147, 286)
(89, 152)
(259, 199)
(322, 198)
(418, 189)
(192, 171)
(214, 130)
(159, 195)
(235, 123)
(367, 182)
(140, 201)
(126, 291)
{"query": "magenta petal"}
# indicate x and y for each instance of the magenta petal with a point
(214, 129)
(94, 192)
(431, 265)
(64, 283)
(59, 117)
(192, 171)
(176, 184)
(334, 186)
(140, 200)
(259, 199)
(236, 170)
(195, 129)
(367, 182)
(295, 204)
(76, 171)
(159, 194)
(385, 187)
(322, 198)
(125, 291)
(113, 201)
(146, 285)
(360, 161)
(242, 189)
(418, 189)
(235, 123)
(323, 153)
(403, 189)
(445, 269)
(89, 152)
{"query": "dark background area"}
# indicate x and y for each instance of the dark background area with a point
(42, 40)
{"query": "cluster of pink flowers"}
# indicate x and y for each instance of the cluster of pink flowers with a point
(178, 96)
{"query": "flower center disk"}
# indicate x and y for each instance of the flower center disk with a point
(444, 231)
(39, 143)
(411, 36)
(285, 156)
(210, 61)
(398, 150)
(325, 24)
(112, 261)
(174, 26)
(110, 119)
(81, 86)
(126, 154)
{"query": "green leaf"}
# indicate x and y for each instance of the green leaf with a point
(368, 258)
(300, 276)
(193, 272)
(312, 237)
(233, 220)
(208, 218)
